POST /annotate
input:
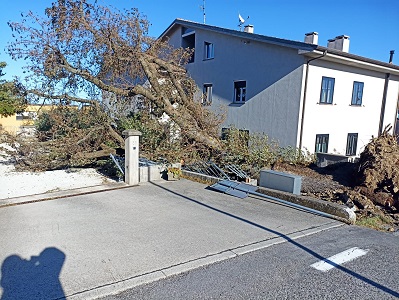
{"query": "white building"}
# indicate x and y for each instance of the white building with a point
(301, 94)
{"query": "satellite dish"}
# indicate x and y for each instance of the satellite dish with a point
(241, 19)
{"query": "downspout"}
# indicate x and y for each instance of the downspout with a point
(384, 97)
(396, 116)
(304, 96)
(384, 101)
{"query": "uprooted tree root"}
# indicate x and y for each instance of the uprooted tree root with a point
(378, 173)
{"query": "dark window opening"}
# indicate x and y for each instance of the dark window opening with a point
(351, 144)
(207, 94)
(327, 90)
(321, 143)
(240, 91)
(237, 134)
(209, 50)
(188, 41)
(357, 94)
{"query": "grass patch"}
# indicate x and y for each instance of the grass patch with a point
(375, 222)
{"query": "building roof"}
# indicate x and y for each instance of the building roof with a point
(358, 57)
(304, 47)
(242, 34)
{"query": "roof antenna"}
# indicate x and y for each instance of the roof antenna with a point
(203, 10)
(241, 21)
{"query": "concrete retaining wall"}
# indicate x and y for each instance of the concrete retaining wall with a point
(150, 173)
(342, 212)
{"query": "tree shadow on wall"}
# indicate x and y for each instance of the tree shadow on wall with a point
(36, 278)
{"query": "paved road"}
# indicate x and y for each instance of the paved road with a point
(92, 245)
(284, 271)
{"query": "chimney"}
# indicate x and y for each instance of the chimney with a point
(312, 38)
(331, 44)
(342, 43)
(249, 29)
(391, 53)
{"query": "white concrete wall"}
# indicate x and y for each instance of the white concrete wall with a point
(340, 118)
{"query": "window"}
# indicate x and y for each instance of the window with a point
(327, 90)
(321, 143)
(209, 50)
(357, 93)
(241, 135)
(207, 94)
(351, 144)
(188, 41)
(240, 89)
(225, 133)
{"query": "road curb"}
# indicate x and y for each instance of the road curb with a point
(342, 213)
(62, 194)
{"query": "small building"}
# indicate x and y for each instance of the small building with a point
(22, 122)
(301, 94)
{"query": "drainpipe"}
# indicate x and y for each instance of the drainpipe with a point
(304, 95)
(391, 53)
(395, 125)
(384, 101)
(384, 97)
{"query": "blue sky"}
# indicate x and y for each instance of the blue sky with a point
(373, 25)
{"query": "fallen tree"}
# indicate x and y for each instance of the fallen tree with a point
(82, 48)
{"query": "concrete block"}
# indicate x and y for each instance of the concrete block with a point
(280, 181)
(150, 173)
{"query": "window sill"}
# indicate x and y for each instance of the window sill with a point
(237, 103)
(356, 105)
(208, 58)
(324, 103)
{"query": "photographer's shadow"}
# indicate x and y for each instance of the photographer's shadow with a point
(36, 278)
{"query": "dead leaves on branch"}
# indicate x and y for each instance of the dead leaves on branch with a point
(68, 136)
(84, 47)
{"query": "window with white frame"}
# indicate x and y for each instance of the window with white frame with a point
(209, 50)
(351, 144)
(357, 94)
(327, 90)
(240, 91)
(207, 94)
(321, 143)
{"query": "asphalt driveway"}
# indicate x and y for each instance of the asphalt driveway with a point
(82, 247)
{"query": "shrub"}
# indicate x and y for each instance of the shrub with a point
(252, 152)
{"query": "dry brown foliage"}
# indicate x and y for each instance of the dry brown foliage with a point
(82, 48)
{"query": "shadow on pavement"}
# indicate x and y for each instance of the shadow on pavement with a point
(293, 242)
(36, 278)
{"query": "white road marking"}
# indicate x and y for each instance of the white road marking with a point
(339, 259)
